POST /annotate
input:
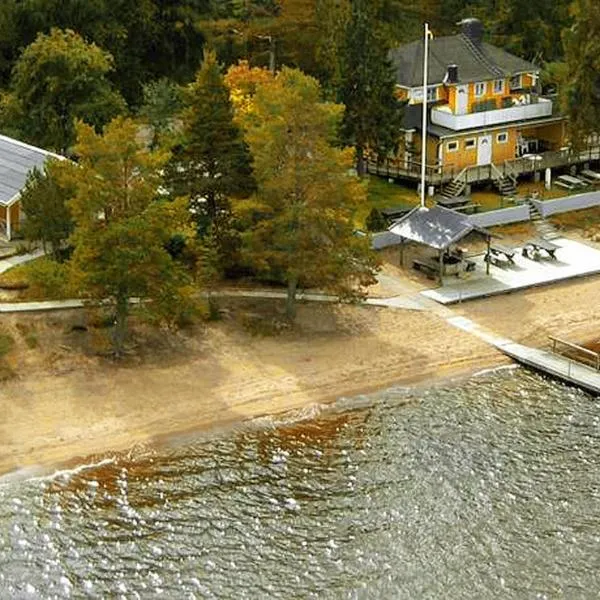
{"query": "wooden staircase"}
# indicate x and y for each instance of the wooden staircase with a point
(506, 183)
(456, 187)
(544, 228)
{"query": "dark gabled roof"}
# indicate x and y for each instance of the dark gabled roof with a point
(384, 239)
(435, 227)
(475, 63)
(17, 160)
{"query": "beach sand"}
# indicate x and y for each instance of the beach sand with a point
(67, 405)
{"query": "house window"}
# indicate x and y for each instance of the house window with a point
(498, 86)
(431, 94)
(480, 89)
(452, 146)
(470, 144)
(515, 82)
(502, 138)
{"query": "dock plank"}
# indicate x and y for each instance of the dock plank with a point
(558, 366)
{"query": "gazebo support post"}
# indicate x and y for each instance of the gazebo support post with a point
(487, 256)
(441, 273)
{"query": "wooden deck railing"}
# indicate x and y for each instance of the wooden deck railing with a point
(585, 354)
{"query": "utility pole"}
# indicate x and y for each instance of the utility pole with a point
(424, 127)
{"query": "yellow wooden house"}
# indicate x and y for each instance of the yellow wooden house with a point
(486, 117)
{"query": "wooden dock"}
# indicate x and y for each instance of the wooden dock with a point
(561, 367)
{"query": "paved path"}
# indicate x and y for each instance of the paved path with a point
(13, 261)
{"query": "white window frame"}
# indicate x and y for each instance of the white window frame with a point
(516, 82)
(502, 138)
(452, 146)
(470, 144)
(432, 94)
(498, 86)
(480, 89)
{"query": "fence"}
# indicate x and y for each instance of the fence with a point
(578, 202)
(502, 216)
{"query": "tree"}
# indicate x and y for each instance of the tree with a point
(162, 101)
(299, 224)
(212, 163)
(375, 221)
(59, 78)
(373, 115)
(581, 94)
(122, 228)
(45, 202)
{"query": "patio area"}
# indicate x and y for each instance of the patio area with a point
(573, 259)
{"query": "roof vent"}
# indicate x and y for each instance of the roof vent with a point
(451, 74)
(473, 29)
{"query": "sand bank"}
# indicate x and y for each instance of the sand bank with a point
(64, 404)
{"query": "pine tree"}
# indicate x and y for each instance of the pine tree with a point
(373, 115)
(45, 202)
(122, 228)
(212, 163)
(581, 94)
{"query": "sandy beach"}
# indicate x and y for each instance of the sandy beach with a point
(65, 405)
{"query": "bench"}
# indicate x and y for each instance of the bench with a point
(566, 186)
(497, 250)
(536, 246)
(429, 267)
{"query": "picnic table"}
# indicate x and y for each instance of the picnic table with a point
(569, 182)
(429, 267)
(497, 250)
(534, 247)
(453, 202)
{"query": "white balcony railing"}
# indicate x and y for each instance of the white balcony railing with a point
(444, 117)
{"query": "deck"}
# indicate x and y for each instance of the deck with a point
(438, 174)
(558, 366)
(573, 260)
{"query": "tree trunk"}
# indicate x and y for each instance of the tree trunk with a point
(361, 166)
(290, 305)
(120, 331)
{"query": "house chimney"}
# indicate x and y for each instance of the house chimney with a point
(473, 29)
(451, 74)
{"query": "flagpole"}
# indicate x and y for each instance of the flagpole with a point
(424, 127)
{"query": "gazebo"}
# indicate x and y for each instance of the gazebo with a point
(441, 230)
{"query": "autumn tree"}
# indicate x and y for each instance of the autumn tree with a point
(581, 94)
(373, 115)
(300, 227)
(44, 200)
(212, 163)
(122, 227)
(60, 78)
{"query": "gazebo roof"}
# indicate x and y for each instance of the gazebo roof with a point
(436, 227)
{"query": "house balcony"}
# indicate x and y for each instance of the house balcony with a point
(531, 108)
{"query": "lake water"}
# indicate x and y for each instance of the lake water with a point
(489, 488)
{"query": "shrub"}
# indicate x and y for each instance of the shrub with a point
(48, 279)
(375, 221)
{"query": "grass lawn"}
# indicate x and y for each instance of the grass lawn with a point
(39, 279)
(382, 194)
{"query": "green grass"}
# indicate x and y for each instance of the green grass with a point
(6, 343)
(39, 279)
(382, 194)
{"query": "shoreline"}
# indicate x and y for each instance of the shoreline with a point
(349, 400)
(67, 407)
